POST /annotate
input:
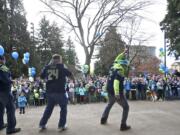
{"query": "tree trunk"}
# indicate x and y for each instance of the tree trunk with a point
(88, 61)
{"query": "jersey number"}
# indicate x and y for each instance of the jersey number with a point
(53, 74)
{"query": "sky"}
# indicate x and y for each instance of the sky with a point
(155, 14)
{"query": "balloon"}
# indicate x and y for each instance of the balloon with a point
(33, 73)
(26, 55)
(161, 71)
(161, 49)
(26, 60)
(33, 69)
(162, 66)
(31, 79)
(23, 61)
(85, 68)
(29, 71)
(36, 95)
(166, 70)
(15, 55)
(162, 54)
(1, 51)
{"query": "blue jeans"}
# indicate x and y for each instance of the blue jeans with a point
(53, 99)
(10, 110)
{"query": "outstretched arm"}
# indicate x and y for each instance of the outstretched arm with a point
(121, 55)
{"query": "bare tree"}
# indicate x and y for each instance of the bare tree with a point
(135, 40)
(89, 19)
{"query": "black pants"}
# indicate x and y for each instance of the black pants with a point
(22, 110)
(10, 110)
(160, 94)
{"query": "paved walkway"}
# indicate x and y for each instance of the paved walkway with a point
(146, 118)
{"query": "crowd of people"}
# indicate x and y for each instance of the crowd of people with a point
(93, 89)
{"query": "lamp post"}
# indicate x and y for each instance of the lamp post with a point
(32, 32)
(165, 53)
(33, 39)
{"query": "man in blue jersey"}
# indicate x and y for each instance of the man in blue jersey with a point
(6, 99)
(55, 75)
(115, 90)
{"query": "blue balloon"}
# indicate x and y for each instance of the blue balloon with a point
(15, 55)
(33, 69)
(33, 73)
(26, 60)
(1, 51)
(162, 66)
(161, 49)
(27, 55)
(166, 70)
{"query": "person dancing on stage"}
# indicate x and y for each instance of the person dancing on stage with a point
(115, 89)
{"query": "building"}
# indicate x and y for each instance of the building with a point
(142, 51)
(143, 60)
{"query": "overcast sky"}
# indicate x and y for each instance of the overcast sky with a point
(154, 13)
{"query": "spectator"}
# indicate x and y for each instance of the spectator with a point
(22, 103)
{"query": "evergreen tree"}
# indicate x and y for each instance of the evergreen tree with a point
(171, 25)
(13, 33)
(55, 39)
(50, 41)
(4, 28)
(109, 49)
(71, 57)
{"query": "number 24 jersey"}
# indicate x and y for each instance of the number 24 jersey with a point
(55, 76)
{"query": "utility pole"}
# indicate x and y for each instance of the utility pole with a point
(12, 34)
(33, 40)
(165, 74)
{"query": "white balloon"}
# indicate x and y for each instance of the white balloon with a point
(31, 79)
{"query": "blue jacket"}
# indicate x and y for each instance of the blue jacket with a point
(55, 76)
(22, 101)
(127, 85)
